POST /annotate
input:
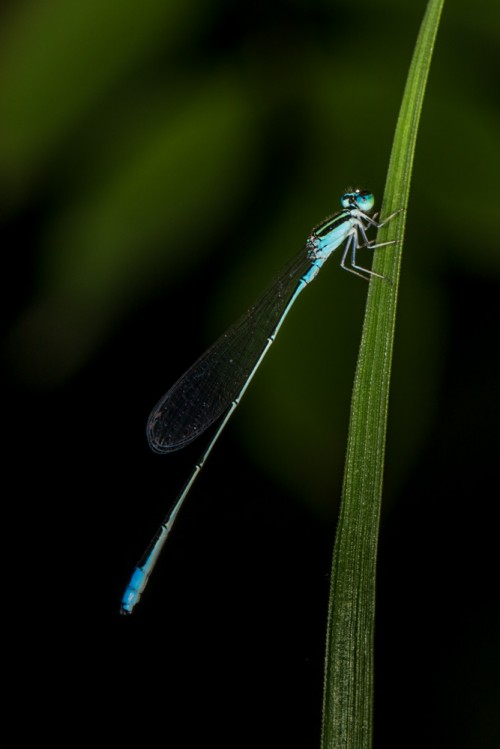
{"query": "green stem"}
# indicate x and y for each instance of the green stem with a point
(348, 689)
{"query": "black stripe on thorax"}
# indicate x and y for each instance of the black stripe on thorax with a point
(331, 223)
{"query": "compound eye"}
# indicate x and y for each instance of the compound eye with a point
(365, 201)
(348, 199)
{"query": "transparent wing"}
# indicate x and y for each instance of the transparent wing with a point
(209, 387)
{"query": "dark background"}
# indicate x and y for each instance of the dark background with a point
(159, 162)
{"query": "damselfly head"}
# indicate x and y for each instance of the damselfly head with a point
(363, 200)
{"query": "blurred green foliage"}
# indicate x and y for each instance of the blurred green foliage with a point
(156, 138)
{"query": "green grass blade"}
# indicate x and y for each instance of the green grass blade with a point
(348, 689)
